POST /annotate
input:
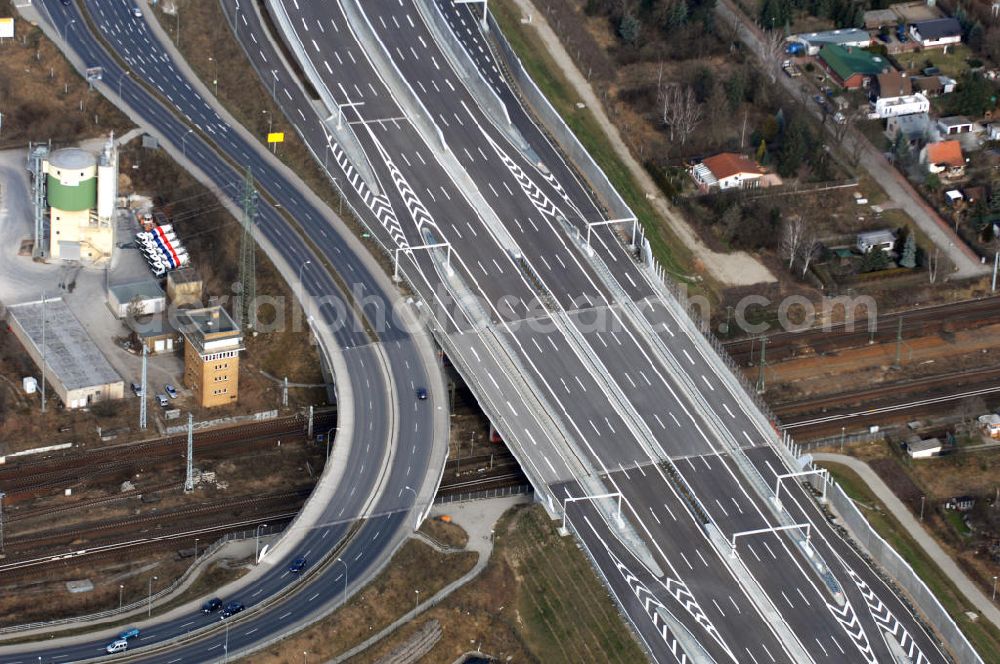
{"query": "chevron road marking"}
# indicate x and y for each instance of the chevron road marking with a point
(888, 622)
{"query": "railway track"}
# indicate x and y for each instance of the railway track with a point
(930, 386)
(486, 482)
(25, 479)
(952, 317)
(935, 396)
(115, 531)
(16, 569)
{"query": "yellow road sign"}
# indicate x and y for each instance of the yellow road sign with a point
(276, 137)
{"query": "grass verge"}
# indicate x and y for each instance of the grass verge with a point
(538, 600)
(534, 55)
(416, 572)
(983, 635)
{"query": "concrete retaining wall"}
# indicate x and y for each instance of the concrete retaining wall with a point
(556, 127)
(902, 574)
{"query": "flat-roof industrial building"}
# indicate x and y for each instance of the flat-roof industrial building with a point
(75, 368)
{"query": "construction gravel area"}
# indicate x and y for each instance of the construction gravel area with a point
(843, 371)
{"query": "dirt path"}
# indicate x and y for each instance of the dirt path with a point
(734, 269)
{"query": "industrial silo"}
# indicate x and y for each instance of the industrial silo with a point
(75, 233)
(72, 183)
(107, 181)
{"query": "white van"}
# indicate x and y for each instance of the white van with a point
(118, 645)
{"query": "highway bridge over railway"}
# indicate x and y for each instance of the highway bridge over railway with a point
(544, 296)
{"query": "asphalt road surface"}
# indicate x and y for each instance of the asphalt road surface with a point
(383, 413)
(595, 377)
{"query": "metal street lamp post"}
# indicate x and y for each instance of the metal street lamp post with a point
(149, 597)
(215, 78)
(341, 561)
(256, 548)
(331, 429)
(415, 498)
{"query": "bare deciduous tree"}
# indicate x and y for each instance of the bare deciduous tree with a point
(933, 262)
(808, 246)
(791, 238)
(135, 308)
(840, 129)
(855, 142)
(730, 28)
(968, 410)
(772, 47)
(681, 112)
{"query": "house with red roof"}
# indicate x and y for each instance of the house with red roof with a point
(944, 158)
(727, 170)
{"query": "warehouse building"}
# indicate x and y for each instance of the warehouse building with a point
(75, 369)
(212, 345)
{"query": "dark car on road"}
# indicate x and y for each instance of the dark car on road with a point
(422, 393)
(211, 606)
(232, 609)
(297, 565)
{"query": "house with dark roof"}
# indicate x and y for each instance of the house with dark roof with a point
(936, 33)
(893, 84)
(934, 86)
(851, 67)
(915, 127)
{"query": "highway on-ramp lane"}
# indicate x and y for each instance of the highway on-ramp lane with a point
(372, 502)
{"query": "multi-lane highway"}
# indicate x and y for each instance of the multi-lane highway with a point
(638, 405)
(593, 373)
(390, 446)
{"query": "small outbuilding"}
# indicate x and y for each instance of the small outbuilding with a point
(990, 424)
(184, 287)
(156, 334)
(146, 294)
(883, 240)
(923, 449)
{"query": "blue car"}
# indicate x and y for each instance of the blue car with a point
(129, 634)
(297, 565)
(211, 606)
(232, 609)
